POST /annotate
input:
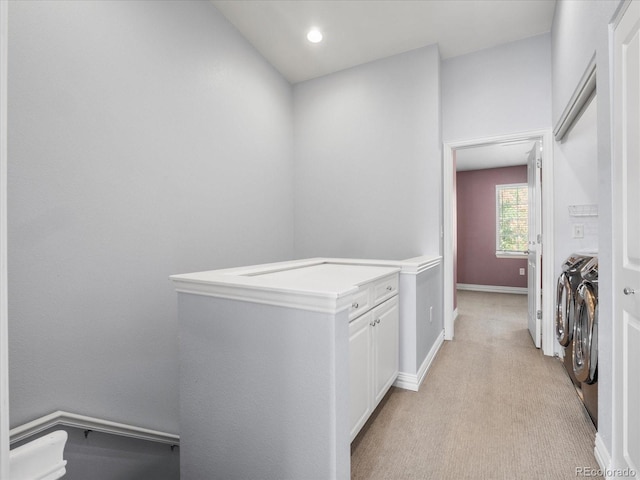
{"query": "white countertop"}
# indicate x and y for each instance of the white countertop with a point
(317, 284)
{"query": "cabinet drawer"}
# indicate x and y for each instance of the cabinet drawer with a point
(385, 288)
(361, 302)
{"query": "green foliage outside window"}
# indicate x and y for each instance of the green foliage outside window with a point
(512, 209)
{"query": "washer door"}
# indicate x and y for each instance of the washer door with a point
(564, 311)
(585, 335)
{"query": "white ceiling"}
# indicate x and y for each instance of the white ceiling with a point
(359, 31)
(493, 155)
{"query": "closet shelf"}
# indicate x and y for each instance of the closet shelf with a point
(583, 210)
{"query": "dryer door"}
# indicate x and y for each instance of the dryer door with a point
(564, 311)
(585, 335)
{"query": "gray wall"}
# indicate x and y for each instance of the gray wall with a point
(368, 160)
(497, 91)
(145, 139)
(580, 30)
(429, 319)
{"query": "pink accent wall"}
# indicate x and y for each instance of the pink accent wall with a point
(476, 238)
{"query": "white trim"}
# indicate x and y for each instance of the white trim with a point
(411, 381)
(581, 97)
(492, 288)
(447, 241)
(603, 457)
(548, 280)
(4, 343)
(513, 255)
(410, 266)
(300, 300)
(248, 284)
(415, 266)
(40, 459)
(548, 248)
(67, 419)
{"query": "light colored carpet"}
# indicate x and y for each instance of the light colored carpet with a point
(491, 407)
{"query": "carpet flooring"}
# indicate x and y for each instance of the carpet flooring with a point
(491, 407)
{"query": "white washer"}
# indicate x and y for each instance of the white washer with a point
(585, 338)
(568, 283)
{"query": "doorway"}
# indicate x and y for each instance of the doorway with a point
(543, 159)
(496, 222)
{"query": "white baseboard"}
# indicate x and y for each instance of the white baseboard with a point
(492, 288)
(601, 453)
(411, 381)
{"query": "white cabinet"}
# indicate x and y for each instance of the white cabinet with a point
(360, 368)
(373, 349)
(385, 347)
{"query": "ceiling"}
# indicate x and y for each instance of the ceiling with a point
(359, 31)
(493, 155)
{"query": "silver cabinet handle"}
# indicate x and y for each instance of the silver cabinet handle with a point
(355, 305)
(373, 323)
(628, 291)
(389, 288)
(377, 320)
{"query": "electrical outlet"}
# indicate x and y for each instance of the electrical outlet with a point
(578, 230)
(522, 271)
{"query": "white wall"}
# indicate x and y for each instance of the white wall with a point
(580, 30)
(368, 160)
(497, 91)
(576, 158)
(258, 414)
(145, 139)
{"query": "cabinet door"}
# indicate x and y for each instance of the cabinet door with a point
(385, 350)
(360, 367)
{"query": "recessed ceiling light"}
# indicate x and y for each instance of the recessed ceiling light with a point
(314, 35)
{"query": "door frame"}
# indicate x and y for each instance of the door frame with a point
(548, 280)
(4, 344)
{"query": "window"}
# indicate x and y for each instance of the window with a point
(512, 219)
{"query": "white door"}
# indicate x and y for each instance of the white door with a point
(360, 367)
(385, 350)
(626, 247)
(533, 258)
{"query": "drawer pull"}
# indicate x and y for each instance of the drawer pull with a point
(355, 305)
(373, 323)
(377, 320)
(389, 288)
